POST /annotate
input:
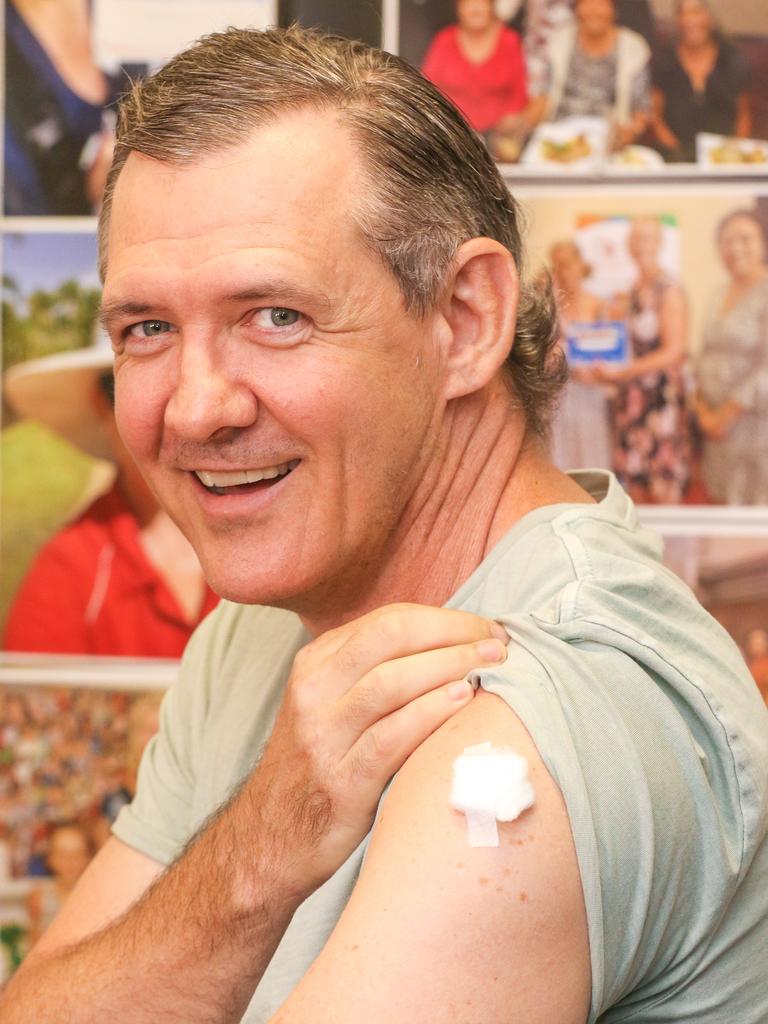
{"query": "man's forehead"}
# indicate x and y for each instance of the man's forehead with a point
(298, 170)
(291, 183)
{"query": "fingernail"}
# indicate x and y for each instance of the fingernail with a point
(491, 650)
(459, 691)
(499, 632)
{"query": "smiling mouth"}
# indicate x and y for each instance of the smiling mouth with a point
(244, 480)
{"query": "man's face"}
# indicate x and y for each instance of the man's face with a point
(257, 335)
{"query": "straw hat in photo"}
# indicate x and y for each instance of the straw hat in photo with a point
(57, 391)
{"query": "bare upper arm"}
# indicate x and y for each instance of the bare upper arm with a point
(436, 931)
(115, 878)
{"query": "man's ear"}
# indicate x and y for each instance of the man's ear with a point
(480, 308)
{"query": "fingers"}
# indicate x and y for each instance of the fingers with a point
(393, 684)
(385, 747)
(392, 632)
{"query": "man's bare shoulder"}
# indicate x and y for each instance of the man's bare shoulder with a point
(436, 930)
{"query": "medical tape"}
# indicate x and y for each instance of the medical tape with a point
(489, 785)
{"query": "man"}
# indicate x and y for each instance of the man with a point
(315, 284)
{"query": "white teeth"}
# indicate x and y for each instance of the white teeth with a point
(243, 476)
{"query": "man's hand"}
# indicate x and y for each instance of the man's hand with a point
(360, 700)
(194, 946)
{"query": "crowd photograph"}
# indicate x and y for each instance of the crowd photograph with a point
(69, 758)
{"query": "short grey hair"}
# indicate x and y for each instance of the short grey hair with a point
(431, 184)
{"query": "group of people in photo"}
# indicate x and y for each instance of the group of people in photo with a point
(680, 419)
(509, 65)
(68, 761)
(661, 85)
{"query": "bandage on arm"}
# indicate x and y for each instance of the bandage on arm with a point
(490, 784)
(436, 930)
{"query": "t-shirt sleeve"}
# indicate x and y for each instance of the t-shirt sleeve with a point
(637, 799)
(159, 820)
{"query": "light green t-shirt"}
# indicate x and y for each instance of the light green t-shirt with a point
(642, 710)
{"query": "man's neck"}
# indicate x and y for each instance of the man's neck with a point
(489, 472)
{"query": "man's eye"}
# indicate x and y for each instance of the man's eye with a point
(149, 328)
(278, 326)
(281, 317)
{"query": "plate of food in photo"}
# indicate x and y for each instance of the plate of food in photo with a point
(718, 151)
(636, 158)
(574, 144)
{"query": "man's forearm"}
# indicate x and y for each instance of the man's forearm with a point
(192, 949)
(195, 945)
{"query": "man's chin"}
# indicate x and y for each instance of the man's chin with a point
(278, 589)
(250, 593)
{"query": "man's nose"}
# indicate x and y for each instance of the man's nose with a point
(208, 397)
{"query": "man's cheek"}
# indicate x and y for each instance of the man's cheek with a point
(138, 413)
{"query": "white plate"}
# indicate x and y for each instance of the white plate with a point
(587, 137)
(721, 151)
(637, 158)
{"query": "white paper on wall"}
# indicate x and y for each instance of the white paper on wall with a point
(602, 242)
(152, 31)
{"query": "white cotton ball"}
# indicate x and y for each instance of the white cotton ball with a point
(492, 781)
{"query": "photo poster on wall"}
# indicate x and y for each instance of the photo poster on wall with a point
(60, 127)
(729, 575)
(69, 756)
(119, 26)
(663, 263)
(50, 317)
(54, 465)
(604, 243)
(517, 72)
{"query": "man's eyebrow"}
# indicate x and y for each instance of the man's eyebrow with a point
(289, 293)
(111, 311)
